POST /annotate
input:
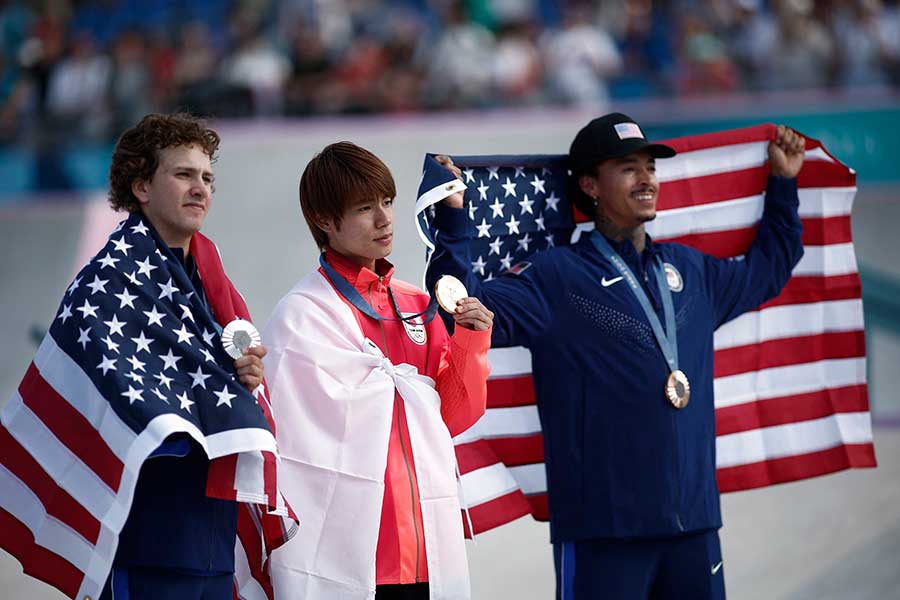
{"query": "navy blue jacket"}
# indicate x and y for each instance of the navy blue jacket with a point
(621, 461)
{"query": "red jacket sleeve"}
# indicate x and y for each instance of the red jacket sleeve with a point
(462, 378)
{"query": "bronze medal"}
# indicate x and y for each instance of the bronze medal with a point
(678, 389)
(449, 290)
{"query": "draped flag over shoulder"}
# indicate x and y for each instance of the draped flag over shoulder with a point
(790, 377)
(132, 357)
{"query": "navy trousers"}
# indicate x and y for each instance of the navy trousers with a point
(151, 584)
(688, 566)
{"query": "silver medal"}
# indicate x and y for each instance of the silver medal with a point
(239, 335)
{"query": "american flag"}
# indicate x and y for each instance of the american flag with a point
(790, 377)
(133, 356)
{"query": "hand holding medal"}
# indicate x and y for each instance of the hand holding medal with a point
(467, 311)
(242, 342)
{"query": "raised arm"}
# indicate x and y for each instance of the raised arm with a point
(520, 309)
(743, 283)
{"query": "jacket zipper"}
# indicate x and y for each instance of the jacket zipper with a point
(412, 493)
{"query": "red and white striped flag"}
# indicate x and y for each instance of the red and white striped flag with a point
(790, 377)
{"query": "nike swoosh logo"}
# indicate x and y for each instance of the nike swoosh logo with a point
(608, 282)
(716, 568)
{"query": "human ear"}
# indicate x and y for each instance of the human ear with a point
(139, 190)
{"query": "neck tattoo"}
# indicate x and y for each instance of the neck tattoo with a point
(612, 231)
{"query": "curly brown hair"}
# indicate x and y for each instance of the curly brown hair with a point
(136, 155)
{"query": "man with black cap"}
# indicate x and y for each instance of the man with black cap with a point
(621, 335)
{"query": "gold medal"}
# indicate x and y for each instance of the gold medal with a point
(449, 290)
(678, 390)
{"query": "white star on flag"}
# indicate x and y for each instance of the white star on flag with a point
(550, 242)
(107, 364)
(525, 203)
(136, 364)
(472, 209)
(74, 286)
(224, 396)
(484, 230)
(135, 377)
(510, 188)
(133, 395)
(186, 312)
(98, 285)
(497, 208)
(108, 261)
(140, 228)
(170, 360)
(512, 225)
(552, 201)
(83, 337)
(87, 310)
(132, 277)
(125, 299)
(159, 395)
(65, 313)
(122, 246)
(208, 337)
(495, 246)
(111, 345)
(184, 336)
(186, 403)
(538, 185)
(164, 380)
(470, 175)
(539, 221)
(506, 262)
(523, 243)
(478, 266)
(199, 378)
(144, 267)
(154, 316)
(482, 190)
(142, 342)
(115, 325)
(166, 289)
(492, 173)
(207, 355)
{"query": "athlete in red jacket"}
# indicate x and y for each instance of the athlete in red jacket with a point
(346, 194)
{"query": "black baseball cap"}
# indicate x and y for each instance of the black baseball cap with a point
(611, 136)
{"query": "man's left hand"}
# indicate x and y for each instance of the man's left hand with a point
(786, 152)
(250, 367)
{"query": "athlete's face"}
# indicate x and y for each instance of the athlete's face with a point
(365, 232)
(178, 196)
(626, 189)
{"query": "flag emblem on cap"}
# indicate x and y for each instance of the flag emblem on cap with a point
(628, 130)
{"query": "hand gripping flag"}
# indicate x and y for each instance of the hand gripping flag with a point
(790, 377)
(133, 356)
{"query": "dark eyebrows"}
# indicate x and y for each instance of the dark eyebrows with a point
(193, 170)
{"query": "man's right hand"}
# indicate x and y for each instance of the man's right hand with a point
(454, 200)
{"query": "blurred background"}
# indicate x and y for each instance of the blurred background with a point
(280, 79)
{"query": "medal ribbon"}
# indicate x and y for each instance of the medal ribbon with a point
(667, 343)
(355, 298)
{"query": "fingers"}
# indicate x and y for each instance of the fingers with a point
(472, 314)
(249, 367)
(789, 140)
(447, 162)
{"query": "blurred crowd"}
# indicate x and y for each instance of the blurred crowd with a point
(85, 69)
